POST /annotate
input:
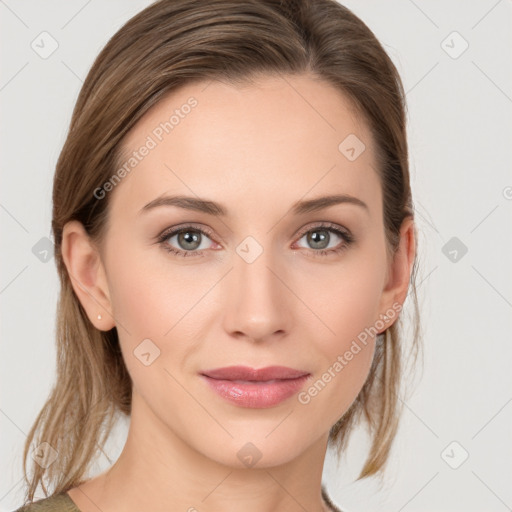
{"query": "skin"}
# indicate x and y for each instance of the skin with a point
(256, 149)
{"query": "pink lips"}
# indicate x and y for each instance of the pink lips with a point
(255, 388)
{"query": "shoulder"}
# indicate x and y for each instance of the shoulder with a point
(56, 503)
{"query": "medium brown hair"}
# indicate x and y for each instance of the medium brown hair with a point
(169, 44)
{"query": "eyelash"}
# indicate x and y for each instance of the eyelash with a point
(345, 235)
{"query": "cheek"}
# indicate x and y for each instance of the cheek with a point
(139, 300)
(148, 296)
(150, 306)
(345, 299)
(153, 300)
(331, 393)
(349, 307)
(348, 350)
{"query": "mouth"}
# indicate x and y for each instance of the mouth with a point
(247, 387)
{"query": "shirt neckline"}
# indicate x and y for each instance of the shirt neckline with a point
(326, 498)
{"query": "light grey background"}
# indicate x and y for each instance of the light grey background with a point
(460, 121)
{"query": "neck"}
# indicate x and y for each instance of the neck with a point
(160, 471)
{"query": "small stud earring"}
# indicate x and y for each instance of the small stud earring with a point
(99, 317)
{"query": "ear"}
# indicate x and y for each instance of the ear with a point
(399, 273)
(87, 274)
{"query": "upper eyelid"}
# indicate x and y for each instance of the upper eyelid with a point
(324, 225)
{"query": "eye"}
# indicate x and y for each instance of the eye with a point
(192, 241)
(322, 242)
(188, 239)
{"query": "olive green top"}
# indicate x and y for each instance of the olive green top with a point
(56, 503)
(63, 503)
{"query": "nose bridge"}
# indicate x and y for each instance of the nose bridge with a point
(256, 303)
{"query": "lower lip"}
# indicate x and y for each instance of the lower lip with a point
(256, 395)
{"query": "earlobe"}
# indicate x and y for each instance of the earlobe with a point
(399, 272)
(87, 274)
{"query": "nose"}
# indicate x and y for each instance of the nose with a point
(258, 303)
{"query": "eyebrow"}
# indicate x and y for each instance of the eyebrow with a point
(212, 208)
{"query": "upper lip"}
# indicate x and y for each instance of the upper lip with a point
(247, 373)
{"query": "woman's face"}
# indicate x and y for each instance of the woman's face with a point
(254, 279)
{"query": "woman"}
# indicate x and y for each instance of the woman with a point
(235, 240)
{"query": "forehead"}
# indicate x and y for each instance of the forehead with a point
(280, 138)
